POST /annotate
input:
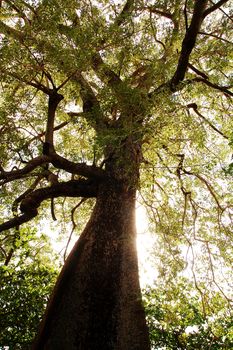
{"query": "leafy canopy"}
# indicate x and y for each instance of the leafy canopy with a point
(83, 76)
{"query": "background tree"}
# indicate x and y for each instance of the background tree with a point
(95, 94)
(177, 321)
(26, 284)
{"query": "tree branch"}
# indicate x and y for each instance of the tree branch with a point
(8, 176)
(216, 36)
(74, 225)
(57, 127)
(91, 106)
(194, 107)
(54, 99)
(188, 43)
(157, 11)
(207, 184)
(114, 82)
(29, 6)
(9, 256)
(186, 15)
(7, 30)
(29, 205)
(35, 84)
(105, 73)
(89, 171)
(17, 221)
(214, 7)
(18, 10)
(224, 89)
(82, 169)
(126, 11)
(25, 194)
(197, 71)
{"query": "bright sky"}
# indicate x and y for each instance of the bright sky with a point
(145, 243)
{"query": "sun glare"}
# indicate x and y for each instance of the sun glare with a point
(145, 243)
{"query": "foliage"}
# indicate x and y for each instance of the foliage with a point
(100, 82)
(24, 291)
(24, 297)
(177, 321)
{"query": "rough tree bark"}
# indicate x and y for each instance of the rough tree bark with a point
(96, 303)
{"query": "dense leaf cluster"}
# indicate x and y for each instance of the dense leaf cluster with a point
(24, 295)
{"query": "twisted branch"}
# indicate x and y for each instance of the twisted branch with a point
(30, 204)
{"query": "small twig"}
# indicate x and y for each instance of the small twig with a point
(216, 36)
(165, 165)
(154, 33)
(213, 274)
(65, 81)
(209, 187)
(194, 107)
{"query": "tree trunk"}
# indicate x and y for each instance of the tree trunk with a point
(96, 304)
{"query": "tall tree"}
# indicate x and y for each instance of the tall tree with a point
(93, 93)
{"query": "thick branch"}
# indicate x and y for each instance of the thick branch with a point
(105, 73)
(30, 204)
(25, 194)
(89, 171)
(54, 99)
(17, 221)
(186, 15)
(118, 87)
(72, 188)
(189, 42)
(58, 161)
(91, 106)
(8, 176)
(214, 7)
